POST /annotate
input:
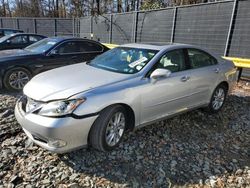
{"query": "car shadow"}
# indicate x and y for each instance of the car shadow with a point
(190, 149)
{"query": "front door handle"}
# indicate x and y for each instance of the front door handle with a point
(217, 70)
(185, 78)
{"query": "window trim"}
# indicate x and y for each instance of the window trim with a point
(188, 59)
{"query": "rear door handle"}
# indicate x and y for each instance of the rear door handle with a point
(217, 70)
(185, 78)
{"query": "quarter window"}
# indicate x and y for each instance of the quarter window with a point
(198, 58)
(173, 61)
(86, 46)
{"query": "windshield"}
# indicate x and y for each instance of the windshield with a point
(4, 38)
(123, 59)
(42, 45)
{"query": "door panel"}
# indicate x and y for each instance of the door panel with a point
(53, 61)
(201, 84)
(165, 97)
(204, 71)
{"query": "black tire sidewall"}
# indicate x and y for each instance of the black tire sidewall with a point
(7, 75)
(113, 111)
(211, 109)
(98, 130)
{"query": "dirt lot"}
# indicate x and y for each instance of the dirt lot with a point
(192, 150)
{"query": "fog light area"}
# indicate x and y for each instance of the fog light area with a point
(56, 143)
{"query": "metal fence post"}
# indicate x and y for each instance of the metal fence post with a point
(173, 25)
(1, 22)
(17, 23)
(135, 25)
(55, 27)
(35, 26)
(73, 26)
(91, 27)
(110, 28)
(78, 27)
(231, 27)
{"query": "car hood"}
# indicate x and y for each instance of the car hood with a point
(66, 81)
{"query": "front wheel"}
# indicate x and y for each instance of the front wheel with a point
(218, 99)
(108, 129)
(16, 78)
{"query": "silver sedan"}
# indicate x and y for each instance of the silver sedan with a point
(94, 103)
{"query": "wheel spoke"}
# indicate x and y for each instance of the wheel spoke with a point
(110, 137)
(214, 104)
(218, 99)
(18, 79)
(117, 137)
(115, 129)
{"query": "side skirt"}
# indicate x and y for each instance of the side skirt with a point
(170, 116)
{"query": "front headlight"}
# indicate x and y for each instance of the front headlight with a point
(60, 108)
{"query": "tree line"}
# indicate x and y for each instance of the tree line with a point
(80, 8)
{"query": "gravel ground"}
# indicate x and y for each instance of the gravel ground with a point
(191, 150)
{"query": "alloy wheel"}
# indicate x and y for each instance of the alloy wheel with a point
(218, 99)
(18, 79)
(115, 129)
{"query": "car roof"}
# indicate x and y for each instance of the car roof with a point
(157, 46)
(62, 38)
(14, 34)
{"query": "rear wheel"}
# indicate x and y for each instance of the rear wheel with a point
(218, 99)
(108, 129)
(16, 78)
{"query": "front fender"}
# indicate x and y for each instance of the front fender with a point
(95, 103)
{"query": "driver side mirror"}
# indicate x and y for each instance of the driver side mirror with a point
(8, 41)
(160, 73)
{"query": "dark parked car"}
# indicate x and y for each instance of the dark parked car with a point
(6, 31)
(19, 40)
(18, 66)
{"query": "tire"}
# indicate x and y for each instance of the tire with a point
(218, 99)
(101, 131)
(15, 79)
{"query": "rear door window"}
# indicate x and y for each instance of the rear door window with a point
(199, 58)
(34, 38)
(68, 47)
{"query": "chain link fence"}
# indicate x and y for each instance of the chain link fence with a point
(222, 27)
